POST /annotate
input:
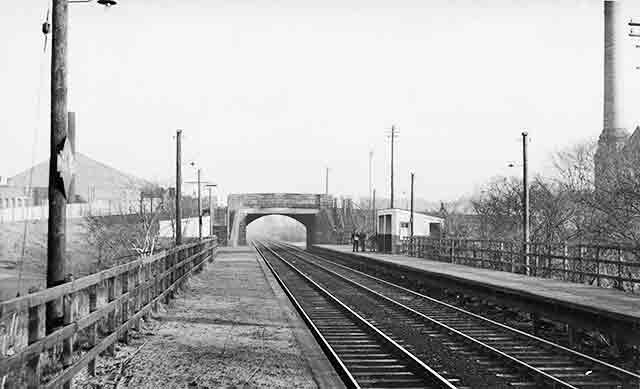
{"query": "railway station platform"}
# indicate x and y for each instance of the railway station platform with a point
(576, 304)
(233, 326)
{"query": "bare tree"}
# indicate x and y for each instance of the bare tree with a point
(121, 238)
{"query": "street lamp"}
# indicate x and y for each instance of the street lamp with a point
(199, 182)
(210, 209)
(199, 204)
(525, 200)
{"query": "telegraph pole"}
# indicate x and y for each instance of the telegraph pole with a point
(373, 209)
(411, 217)
(525, 201)
(178, 188)
(210, 209)
(393, 137)
(210, 215)
(199, 209)
(71, 131)
(56, 266)
(375, 221)
(326, 181)
(370, 170)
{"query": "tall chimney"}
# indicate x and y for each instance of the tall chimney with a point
(613, 71)
(614, 135)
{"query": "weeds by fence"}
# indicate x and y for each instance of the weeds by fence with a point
(99, 309)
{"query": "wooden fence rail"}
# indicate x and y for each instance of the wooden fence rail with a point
(610, 266)
(99, 310)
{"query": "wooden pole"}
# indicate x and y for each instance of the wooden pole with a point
(375, 221)
(56, 267)
(178, 189)
(393, 133)
(71, 129)
(411, 217)
(199, 209)
(210, 215)
(525, 202)
(326, 180)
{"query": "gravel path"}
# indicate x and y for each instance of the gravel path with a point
(226, 331)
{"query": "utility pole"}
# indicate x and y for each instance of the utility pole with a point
(411, 217)
(373, 209)
(211, 209)
(56, 239)
(370, 177)
(393, 136)
(199, 209)
(71, 130)
(178, 188)
(326, 181)
(525, 202)
(210, 215)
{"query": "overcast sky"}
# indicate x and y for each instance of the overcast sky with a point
(270, 92)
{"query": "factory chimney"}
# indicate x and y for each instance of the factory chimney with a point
(614, 135)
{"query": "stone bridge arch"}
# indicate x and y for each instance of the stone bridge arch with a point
(305, 208)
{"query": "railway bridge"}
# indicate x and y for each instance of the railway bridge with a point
(307, 208)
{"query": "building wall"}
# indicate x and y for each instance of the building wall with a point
(400, 220)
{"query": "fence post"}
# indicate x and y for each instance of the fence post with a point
(67, 344)
(36, 332)
(620, 283)
(93, 329)
(111, 317)
(597, 265)
(137, 297)
(582, 251)
(565, 258)
(147, 289)
(451, 253)
(126, 277)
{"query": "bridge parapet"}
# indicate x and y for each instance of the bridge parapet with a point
(280, 200)
(303, 207)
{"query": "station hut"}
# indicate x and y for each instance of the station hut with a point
(393, 225)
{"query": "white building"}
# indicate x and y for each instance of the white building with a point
(394, 225)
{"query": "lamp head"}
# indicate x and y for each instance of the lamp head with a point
(107, 3)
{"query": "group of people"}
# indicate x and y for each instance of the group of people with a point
(358, 239)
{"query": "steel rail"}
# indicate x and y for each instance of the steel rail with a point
(532, 369)
(341, 369)
(527, 335)
(428, 371)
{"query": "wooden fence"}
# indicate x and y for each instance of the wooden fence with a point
(99, 310)
(610, 266)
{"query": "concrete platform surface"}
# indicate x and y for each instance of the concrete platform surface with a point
(233, 327)
(611, 303)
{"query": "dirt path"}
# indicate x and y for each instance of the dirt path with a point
(226, 331)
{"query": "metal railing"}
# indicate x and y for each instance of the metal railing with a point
(99, 310)
(608, 266)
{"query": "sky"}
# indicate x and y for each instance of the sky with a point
(269, 93)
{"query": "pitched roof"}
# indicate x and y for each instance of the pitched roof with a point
(90, 174)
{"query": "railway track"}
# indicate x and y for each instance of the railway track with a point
(516, 358)
(362, 355)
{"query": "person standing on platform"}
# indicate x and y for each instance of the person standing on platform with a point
(354, 241)
(363, 240)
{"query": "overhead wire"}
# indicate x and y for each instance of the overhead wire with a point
(34, 143)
